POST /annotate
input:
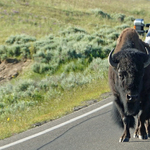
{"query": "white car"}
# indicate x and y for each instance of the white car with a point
(139, 27)
(147, 39)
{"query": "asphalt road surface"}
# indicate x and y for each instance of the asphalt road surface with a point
(88, 129)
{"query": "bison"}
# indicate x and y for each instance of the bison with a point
(129, 79)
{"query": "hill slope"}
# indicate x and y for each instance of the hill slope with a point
(65, 45)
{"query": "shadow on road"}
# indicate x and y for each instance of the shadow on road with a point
(71, 129)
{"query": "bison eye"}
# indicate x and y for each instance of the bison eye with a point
(120, 76)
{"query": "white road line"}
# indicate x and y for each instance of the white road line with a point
(55, 127)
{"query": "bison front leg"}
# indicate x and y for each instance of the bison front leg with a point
(135, 135)
(140, 131)
(126, 134)
(126, 122)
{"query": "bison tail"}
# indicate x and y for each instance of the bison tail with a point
(118, 120)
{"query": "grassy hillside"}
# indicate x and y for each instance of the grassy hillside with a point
(68, 43)
(40, 18)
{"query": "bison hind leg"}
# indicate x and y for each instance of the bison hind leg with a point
(147, 124)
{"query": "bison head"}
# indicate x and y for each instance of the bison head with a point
(129, 65)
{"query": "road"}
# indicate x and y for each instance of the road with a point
(88, 129)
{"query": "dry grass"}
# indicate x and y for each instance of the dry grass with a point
(39, 18)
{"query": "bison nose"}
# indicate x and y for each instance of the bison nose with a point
(132, 98)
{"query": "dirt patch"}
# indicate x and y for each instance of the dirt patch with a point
(11, 68)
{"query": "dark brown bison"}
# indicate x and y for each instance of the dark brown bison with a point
(129, 78)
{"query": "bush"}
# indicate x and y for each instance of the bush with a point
(4, 57)
(99, 12)
(119, 17)
(71, 30)
(25, 51)
(121, 27)
(24, 85)
(129, 19)
(36, 68)
(74, 66)
(15, 50)
(113, 36)
(40, 67)
(106, 50)
(20, 39)
(3, 49)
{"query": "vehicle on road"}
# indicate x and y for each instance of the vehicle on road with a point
(139, 27)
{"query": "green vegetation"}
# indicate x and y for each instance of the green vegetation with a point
(68, 43)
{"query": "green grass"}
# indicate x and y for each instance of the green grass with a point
(51, 108)
(42, 18)
(67, 43)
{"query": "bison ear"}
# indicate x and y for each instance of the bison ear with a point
(111, 61)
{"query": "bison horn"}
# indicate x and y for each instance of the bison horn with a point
(148, 61)
(110, 60)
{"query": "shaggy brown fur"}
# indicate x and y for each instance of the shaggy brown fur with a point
(129, 39)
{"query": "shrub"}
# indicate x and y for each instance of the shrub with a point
(44, 85)
(25, 51)
(106, 31)
(36, 67)
(20, 39)
(4, 57)
(119, 17)
(106, 50)
(16, 50)
(121, 27)
(44, 67)
(88, 37)
(71, 30)
(22, 105)
(75, 66)
(41, 67)
(3, 49)
(98, 68)
(99, 12)
(23, 85)
(130, 19)
(97, 41)
(113, 36)
(40, 53)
